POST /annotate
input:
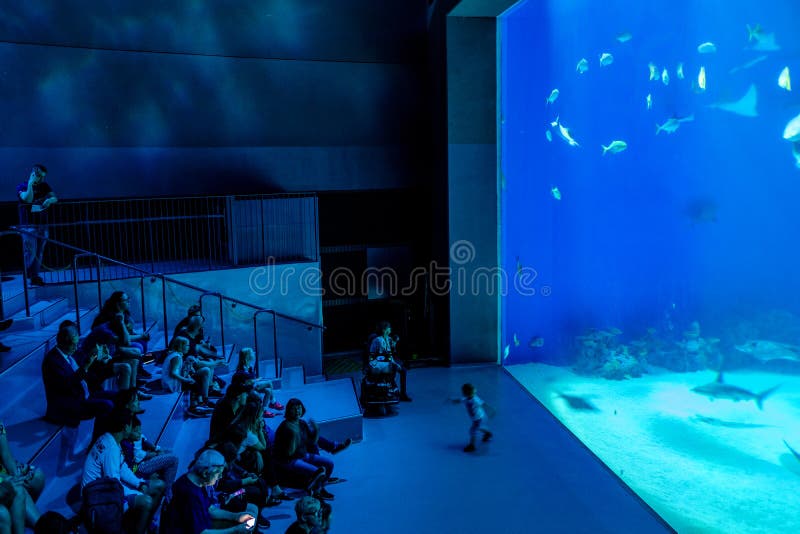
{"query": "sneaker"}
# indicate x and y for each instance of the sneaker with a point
(194, 413)
(339, 447)
(144, 396)
(36, 280)
(469, 448)
(276, 405)
(201, 408)
(268, 414)
(324, 494)
(487, 437)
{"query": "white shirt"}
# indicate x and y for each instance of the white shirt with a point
(106, 460)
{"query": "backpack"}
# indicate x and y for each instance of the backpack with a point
(102, 506)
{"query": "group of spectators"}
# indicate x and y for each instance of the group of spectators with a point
(237, 472)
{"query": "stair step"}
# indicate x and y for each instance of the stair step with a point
(293, 377)
(14, 301)
(43, 312)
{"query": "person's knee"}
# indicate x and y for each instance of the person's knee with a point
(5, 518)
(156, 486)
(143, 503)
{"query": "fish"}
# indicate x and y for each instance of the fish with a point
(649, 101)
(720, 390)
(794, 452)
(753, 33)
(745, 106)
(701, 210)
(536, 342)
(792, 131)
(606, 59)
(578, 403)
(553, 97)
(516, 340)
(747, 65)
(765, 42)
(727, 424)
(679, 71)
(506, 352)
(583, 65)
(784, 81)
(615, 147)
(701, 79)
(665, 77)
(548, 136)
(707, 48)
(653, 71)
(624, 37)
(556, 193)
(563, 131)
(765, 351)
(673, 123)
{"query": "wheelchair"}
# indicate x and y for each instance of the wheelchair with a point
(379, 390)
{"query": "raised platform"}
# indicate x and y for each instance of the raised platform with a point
(332, 404)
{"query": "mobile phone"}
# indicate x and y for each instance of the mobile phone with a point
(250, 523)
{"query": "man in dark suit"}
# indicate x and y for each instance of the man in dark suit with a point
(68, 397)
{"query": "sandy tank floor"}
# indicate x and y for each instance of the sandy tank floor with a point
(711, 466)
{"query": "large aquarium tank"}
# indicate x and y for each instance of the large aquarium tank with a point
(650, 197)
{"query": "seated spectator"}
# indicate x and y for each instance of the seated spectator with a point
(194, 310)
(194, 508)
(104, 366)
(309, 514)
(32, 478)
(125, 399)
(245, 366)
(118, 303)
(228, 407)
(178, 374)
(18, 484)
(198, 345)
(68, 397)
(146, 459)
(384, 344)
(292, 452)
(105, 459)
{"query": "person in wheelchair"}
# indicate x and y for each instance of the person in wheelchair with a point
(383, 356)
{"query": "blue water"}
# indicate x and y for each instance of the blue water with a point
(621, 249)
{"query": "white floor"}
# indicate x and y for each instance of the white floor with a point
(711, 466)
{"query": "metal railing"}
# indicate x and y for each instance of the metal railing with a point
(184, 234)
(98, 269)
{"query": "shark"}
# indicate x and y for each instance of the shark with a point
(794, 452)
(764, 351)
(745, 106)
(720, 390)
(578, 403)
(672, 124)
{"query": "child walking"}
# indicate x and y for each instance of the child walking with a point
(475, 409)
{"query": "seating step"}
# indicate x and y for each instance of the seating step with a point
(43, 312)
(293, 377)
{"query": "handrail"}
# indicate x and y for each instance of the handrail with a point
(164, 279)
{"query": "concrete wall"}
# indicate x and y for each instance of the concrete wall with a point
(144, 98)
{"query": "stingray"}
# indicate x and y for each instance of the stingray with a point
(579, 403)
(745, 106)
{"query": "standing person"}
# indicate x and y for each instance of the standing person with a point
(475, 409)
(35, 196)
(385, 344)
